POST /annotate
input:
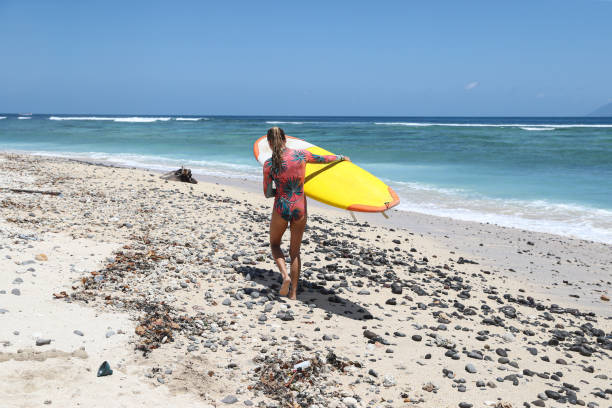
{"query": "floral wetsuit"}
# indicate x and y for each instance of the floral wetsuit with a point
(289, 200)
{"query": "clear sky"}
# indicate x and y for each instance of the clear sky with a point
(407, 58)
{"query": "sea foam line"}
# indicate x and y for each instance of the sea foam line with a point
(2, 117)
(530, 126)
(190, 119)
(24, 117)
(135, 119)
(276, 122)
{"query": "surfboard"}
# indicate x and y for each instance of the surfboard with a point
(340, 184)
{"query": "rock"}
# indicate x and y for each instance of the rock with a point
(389, 381)
(465, 405)
(41, 257)
(538, 403)
(42, 342)
(263, 318)
(16, 292)
(552, 394)
(78, 333)
(396, 288)
(17, 281)
(561, 361)
(226, 302)
(508, 338)
(350, 402)
(373, 373)
(104, 370)
(229, 399)
(605, 298)
(110, 333)
(417, 337)
(501, 352)
(470, 368)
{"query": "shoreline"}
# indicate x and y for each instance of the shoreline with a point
(585, 222)
(390, 312)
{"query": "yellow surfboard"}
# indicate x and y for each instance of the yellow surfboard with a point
(340, 184)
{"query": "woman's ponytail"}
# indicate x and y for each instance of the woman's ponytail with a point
(276, 138)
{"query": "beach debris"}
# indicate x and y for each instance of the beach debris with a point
(60, 295)
(104, 370)
(19, 190)
(41, 257)
(605, 298)
(181, 174)
(291, 379)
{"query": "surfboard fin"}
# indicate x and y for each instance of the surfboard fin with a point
(384, 214)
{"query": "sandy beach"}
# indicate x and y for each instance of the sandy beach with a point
(173, 284)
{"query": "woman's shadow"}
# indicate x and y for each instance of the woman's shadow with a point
(309, 293)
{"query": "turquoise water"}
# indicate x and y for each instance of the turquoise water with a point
(543, 174)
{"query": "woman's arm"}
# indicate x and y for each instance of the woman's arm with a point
(316, 158)
(268, 188)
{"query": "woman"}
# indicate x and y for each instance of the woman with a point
(286, 168)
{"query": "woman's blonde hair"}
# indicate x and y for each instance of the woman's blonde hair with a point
(276, 138)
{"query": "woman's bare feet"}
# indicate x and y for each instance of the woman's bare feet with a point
(284, 287)
(293, 294)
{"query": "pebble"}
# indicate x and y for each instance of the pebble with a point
(78, 333)
(229, 399)
(42, 342)
(16, 292)
(389, 381)
(470, 368)
(350, 402)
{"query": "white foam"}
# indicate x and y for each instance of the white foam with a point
(24, 117)
(141, 120)
(190, 119)
(536, 215)
(2, 117)
(274, 122)
(537, 128)
(530, 126)
(135, 119)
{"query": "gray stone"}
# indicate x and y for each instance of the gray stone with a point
(226, 302)
(78, 333)
(230, 399)
(42, 342)
(110, 333)
(16, 292)
(470, 368)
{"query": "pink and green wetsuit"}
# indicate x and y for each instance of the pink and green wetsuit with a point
(288, 175)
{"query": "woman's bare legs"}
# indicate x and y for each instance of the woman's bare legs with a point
(278, 226)
(297, 231)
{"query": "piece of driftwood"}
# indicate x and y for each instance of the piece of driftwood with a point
(19, 190)
(181, 174)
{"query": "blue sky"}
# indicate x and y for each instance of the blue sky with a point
(403, 58)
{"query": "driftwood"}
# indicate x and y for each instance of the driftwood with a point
(181, 174)
(19, 190)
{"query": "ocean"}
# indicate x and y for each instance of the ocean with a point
(541, 174)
